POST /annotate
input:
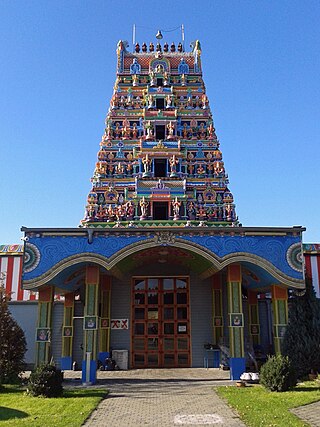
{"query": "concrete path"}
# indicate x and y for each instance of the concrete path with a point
(163, 397)
(309, 413)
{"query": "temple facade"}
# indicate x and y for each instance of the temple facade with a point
(160, 267)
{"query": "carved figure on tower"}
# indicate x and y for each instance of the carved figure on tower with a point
(146, 165)
(143, 206)
(170, 127)
(173, 161)
(176, 209)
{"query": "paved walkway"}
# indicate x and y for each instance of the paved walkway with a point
(309, 413)
(162, 397)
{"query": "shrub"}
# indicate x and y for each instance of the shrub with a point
(277, 374)
(13, 343)
(301, 342)
(46, 381)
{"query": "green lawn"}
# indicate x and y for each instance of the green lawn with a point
(258, 407)
(18, 409)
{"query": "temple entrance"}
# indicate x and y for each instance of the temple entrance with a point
(160, 210)
(160, 322)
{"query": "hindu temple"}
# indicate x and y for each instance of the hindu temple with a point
(160, 272)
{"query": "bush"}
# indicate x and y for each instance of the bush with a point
(277, 374)
(45, 381)
(301, 342)
(13, 343)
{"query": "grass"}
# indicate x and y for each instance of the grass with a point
(258, 407)
(18, 409)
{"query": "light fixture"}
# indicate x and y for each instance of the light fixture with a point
(159, 36)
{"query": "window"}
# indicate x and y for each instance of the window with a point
(160, 210)
(159, 82)
(160, 103)
(160, 168)
(160, 132)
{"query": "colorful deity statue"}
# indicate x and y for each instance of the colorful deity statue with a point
(204, 101)
(129, 207)
(201, 170)
(201, 213)
(134, 131)
(229, 212)
(110, 213)
(91, 212)
(191, 210)
(152, 78)
(169, 101)
(190, 168)
(185, 131)
(202, 131)
(149, 131)
(173, 161)
(170, 127)
(109, 132)
(165, 78)
(135, 80)
(110, 168)
(117, 130)
(101, 213)
(120, 169)
(101, 168)
(176, 209)
(119, 212)
(146, 165)
(218, 168)
(137, 102)
(143, 206)
(126, 132)
(210, 130)
(150, 101)
(114, 102)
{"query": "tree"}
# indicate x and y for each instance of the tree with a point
(301, 341)
(12, 342)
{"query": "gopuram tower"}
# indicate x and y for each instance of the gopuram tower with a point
(160, 273)
(159, 161)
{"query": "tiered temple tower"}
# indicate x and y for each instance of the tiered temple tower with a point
(159, 161)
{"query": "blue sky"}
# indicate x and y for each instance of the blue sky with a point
(262, 72)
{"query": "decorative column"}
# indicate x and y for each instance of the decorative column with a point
(67, 331)
(254, 324)
(236, 341)
(90, 325)
(104, 333)
(43, 332)
(280, 315)
(217, 309)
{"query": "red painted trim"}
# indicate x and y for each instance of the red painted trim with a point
(307, 259)
(20, 290)
(9, 275)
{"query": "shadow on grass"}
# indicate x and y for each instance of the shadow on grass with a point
(12, 389)
(74, 394)
(306, 389)
(8, 414)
